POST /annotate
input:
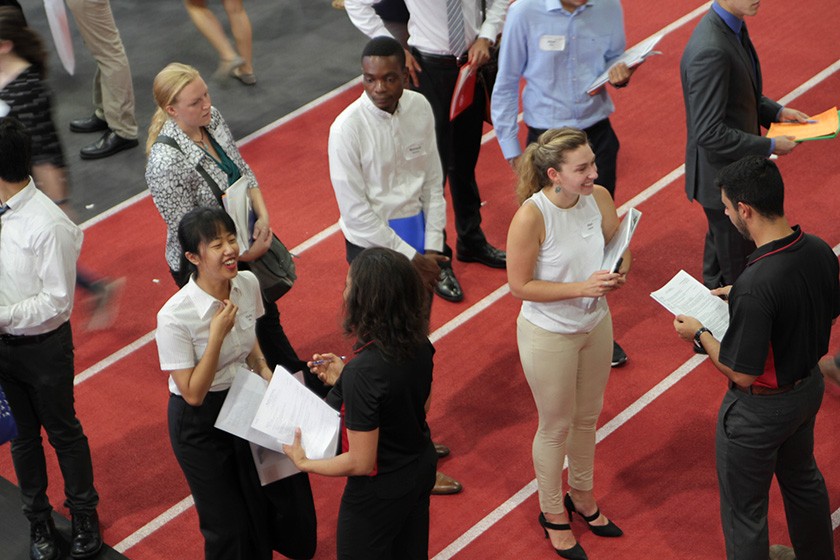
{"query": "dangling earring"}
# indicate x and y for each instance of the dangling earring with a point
(558, 189)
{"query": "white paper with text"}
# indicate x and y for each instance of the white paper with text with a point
(684, 295)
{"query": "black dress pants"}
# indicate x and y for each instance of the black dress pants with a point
(37, 378)
(604, 143)
(759, 436)
(459, 143)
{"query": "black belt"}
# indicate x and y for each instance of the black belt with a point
(441, 59)
(761, 390)
(22, 339)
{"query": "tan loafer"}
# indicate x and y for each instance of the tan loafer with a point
(781, 552)
(446, 485)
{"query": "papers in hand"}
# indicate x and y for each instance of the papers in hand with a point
(819, 127)
(238, 206)
(464, 92)
(631, 57)
(242, 407)
(60, 30)
(614, 250)
(683, 295)
(286, 405)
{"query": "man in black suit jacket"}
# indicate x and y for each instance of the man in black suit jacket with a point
(725, 109)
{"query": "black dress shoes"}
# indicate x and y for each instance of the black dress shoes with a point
(108, 145)
(42, 544)
(87, 539)
(485, 254)
(88, 124)
(447, 286)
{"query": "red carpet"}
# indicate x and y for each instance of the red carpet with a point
(655, 471)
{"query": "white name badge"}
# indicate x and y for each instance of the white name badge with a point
(553, 42)
(414, 151)
(589, 228)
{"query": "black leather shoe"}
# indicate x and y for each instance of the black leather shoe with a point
(574, 553)
(42, 545)
(108, 145)
(608, 530)
(486, 255)
(619, 357)
(448, 287)
(88, 124)
(87, 539)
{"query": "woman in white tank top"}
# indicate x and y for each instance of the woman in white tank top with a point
(555, 247)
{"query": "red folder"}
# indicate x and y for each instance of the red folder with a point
(464, 92)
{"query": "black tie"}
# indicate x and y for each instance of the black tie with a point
(748, 46)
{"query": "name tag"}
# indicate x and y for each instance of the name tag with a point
(590, 228)
(414, 151)
(553, 43)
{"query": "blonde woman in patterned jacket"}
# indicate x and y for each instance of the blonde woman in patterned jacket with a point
(203, 139)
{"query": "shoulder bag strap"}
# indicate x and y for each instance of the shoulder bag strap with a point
(169, 141)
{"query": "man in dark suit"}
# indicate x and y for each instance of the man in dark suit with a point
(725, 109)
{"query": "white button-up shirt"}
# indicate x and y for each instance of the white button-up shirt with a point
(428, 30)
(385, 166)
(39, 247)
(183, 329)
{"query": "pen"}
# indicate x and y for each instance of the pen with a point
(322, 362)
(810, 121)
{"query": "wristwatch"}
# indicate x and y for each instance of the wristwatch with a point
(698, 346)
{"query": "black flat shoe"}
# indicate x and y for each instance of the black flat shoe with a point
(108, 145)
(87, 538)
(485, 254)
(88, 124)
(608, 530)
(574, 553)
(42, 543)
(448, 287)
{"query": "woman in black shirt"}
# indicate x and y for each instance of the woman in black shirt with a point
(388, 455)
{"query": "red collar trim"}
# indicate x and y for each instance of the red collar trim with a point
(779, 250)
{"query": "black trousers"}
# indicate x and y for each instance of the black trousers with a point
(759, 436)
(459, 143)
(386, 517)
(604, 143)
(725, 251)
(38, 381)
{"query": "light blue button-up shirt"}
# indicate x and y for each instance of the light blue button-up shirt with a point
(559, 54)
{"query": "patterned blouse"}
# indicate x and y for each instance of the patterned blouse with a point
(28, 98)
(175, 184)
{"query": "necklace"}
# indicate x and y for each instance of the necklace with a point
(200, 141)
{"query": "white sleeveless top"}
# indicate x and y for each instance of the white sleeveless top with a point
(572, 250)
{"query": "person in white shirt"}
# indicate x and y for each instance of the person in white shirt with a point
(39, 247)
(564, 330)
(386, 174)
(443, 36)
(205, 334)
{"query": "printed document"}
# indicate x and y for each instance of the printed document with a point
(288, 405)
(631, 57)
(683, 295)
(621, 240)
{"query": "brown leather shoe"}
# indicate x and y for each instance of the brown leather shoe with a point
(781, 552)
(441, 450)
(446, 485)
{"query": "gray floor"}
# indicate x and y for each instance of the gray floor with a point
(302, 49)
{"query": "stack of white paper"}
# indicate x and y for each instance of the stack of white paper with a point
(631, 57)
(620, 242)
(238, 206)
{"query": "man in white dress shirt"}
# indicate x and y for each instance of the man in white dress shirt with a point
(386, 173)
(39, 247)
(443, 36)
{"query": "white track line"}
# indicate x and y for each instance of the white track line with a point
(154, 524)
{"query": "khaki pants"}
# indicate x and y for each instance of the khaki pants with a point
(567, 374)
(113, 92)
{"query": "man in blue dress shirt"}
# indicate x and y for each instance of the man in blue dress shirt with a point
(560, 47)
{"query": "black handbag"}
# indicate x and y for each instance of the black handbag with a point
(275, 270)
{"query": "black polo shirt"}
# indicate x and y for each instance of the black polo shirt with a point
(781, 309)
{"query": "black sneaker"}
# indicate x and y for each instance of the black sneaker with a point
(619, 358)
